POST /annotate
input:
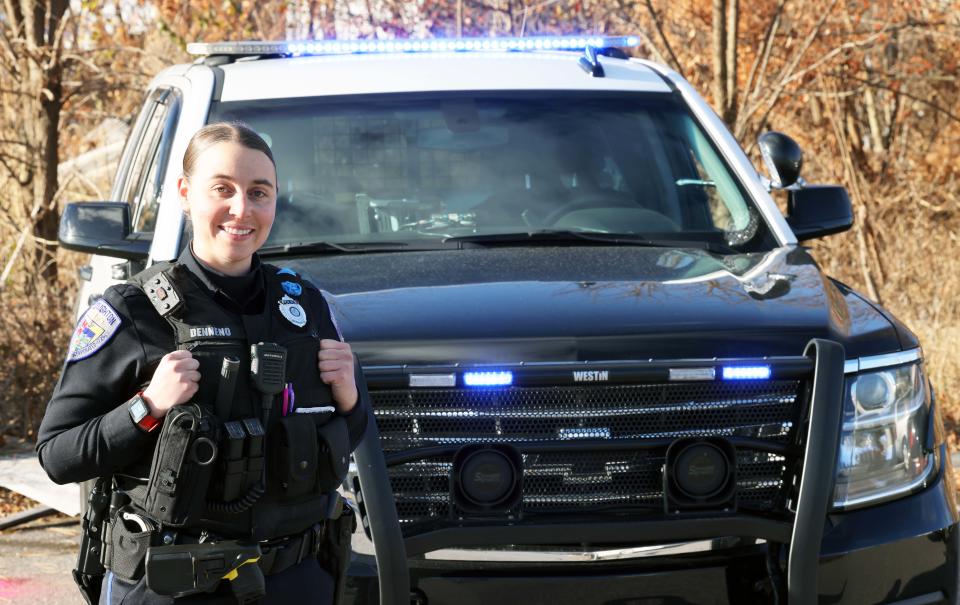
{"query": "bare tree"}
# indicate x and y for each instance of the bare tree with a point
(724, 42)
(31, 79)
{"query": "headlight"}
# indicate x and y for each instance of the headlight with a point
(881, 447)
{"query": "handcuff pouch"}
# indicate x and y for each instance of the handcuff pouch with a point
(127, 546)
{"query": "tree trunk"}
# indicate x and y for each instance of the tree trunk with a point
(724, 31)
(719, 39)
(41, 26)
(47, 221)
(730, 58)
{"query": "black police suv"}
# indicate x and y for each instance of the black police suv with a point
(604, 369)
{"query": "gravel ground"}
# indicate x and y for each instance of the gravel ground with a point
(37, 559)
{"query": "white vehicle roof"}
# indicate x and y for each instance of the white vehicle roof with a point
(429, 72)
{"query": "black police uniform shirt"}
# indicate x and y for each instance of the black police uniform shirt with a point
(87, 430)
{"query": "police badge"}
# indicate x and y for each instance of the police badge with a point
(292, 311)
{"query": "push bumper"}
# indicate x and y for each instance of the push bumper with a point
(904, 552)
(817, 558)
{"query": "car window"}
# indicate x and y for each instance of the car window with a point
(148, 160)
(401, 167)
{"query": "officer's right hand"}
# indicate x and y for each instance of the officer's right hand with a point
(175, 381)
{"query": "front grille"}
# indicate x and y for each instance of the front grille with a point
(582, 483)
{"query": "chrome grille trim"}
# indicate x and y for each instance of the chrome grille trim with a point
(594, 413)
(386, 436)
(610, 554)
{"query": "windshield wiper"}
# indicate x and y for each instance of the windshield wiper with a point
(569, 236)
(321, 247)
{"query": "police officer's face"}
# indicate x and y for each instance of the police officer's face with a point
(231, 198)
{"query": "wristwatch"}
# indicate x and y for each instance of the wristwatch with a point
(140, 412)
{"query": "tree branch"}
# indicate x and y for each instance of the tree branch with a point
(788, 73)
(7, 45)
(880, 85)
(658, 24)
(759, 68)
(14, 174)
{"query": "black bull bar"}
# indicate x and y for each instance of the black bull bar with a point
(803, 536)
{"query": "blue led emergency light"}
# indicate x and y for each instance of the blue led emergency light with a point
(746, 372)
(487, 379)
(340, 47)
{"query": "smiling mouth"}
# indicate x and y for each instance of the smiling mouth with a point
(237, 231)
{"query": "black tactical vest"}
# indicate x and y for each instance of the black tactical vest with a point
(294, 499)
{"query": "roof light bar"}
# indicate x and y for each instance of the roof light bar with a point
(340, 47)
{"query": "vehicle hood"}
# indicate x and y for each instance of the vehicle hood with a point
(528, 304)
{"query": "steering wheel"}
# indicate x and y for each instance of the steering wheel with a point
(604, 201)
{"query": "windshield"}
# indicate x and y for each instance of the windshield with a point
(410, 169)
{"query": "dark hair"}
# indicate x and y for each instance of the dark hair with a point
(223, 132)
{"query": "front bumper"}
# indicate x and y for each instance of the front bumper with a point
(903, 552)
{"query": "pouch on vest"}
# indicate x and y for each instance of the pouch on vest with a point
(294, 447)
(334, 456)
(182, 465)
(210, 355)
(302, 369)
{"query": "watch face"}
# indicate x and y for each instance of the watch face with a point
(138, 409)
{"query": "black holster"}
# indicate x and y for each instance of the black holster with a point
(90, 570)
(334, 552)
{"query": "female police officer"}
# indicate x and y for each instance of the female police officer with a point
(151, 349)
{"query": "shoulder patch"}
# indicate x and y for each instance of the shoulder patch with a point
(286, 271)
(96, 327)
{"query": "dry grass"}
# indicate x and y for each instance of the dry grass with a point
(943, 368)
(12, 502)
(36, 325)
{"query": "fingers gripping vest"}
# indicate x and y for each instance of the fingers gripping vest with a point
(297, 446)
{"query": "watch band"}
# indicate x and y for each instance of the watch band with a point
(140, 413)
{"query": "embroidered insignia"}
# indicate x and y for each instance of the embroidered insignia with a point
(97, 325)
(291, 288)
(292, 311)
(286, 271)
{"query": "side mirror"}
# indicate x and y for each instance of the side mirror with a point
(819, 210)
(783, 158)
(101, 228)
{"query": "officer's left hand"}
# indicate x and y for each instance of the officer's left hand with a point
(335, 361)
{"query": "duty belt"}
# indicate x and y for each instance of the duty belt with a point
(284, 553)
(278, 554)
